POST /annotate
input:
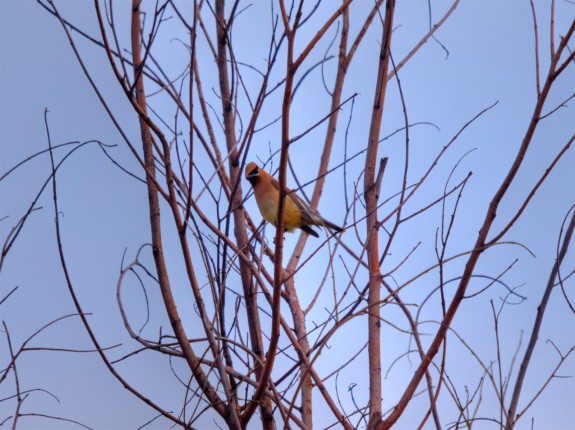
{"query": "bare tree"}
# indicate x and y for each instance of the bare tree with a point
(253, 346)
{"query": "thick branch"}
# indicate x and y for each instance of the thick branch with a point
(155, 224)
(511, 418)
(480, 246)
(371, 192)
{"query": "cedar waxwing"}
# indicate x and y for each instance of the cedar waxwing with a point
(297, 213)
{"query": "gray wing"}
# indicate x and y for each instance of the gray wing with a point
(308, 214)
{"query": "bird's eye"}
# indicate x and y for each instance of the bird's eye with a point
(254, 172)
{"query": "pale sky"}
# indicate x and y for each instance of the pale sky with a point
(103, 211)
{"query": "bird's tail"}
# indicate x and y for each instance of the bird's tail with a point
(309, 230)
(332, 226)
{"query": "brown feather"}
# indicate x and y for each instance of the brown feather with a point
(297, 213)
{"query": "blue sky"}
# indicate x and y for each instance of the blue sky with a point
(103, 211)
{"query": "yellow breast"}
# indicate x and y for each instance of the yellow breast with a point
(269, 208)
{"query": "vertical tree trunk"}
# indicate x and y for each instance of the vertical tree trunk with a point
(371, 196)
(249, 289)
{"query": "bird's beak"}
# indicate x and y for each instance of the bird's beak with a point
(254, 173)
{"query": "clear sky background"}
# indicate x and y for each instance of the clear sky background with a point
(104, 214)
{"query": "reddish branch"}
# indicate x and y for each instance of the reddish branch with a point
(250, 290)
(253, 275)
(371, 193)
(155, 224)
(511, 414)
(278, 254)
(481, 242)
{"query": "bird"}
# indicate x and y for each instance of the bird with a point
(297, 213)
